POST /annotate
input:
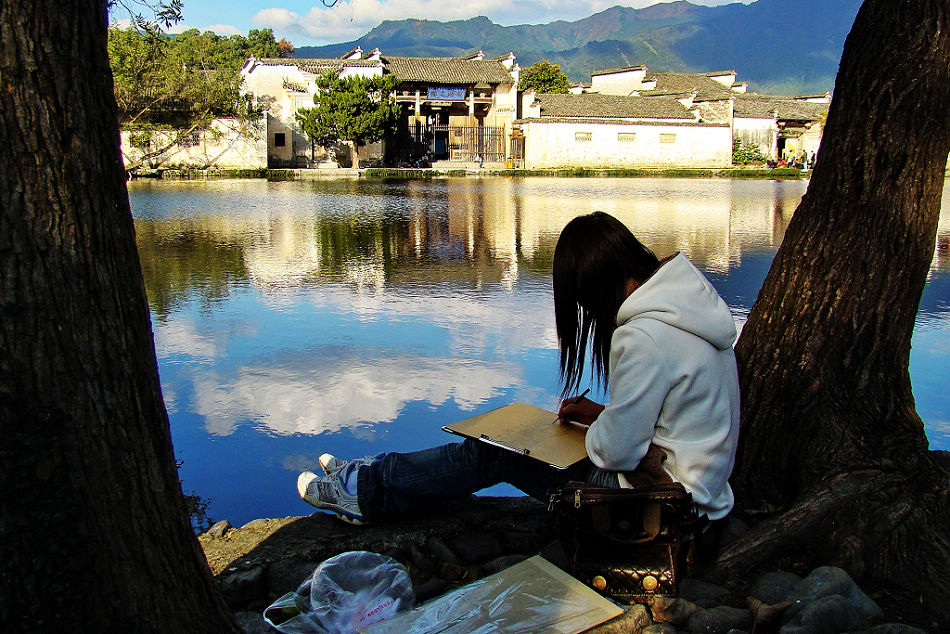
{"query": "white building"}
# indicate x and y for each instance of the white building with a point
(226, 144)
(781, 127)
(284, 85)
(452, 108)
(612, 131)
(715, 108)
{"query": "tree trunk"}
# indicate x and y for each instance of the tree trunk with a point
(824, 355)
(354, 155)
(94, 535)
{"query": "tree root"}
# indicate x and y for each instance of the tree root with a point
(890, 531)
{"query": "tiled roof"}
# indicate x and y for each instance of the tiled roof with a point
(448, 70)
(596, 121)
(763, 107)
(704, 86)
(434, 70)
(611, 106)
(611, 71)
(317, 66)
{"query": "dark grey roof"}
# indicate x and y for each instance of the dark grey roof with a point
(448, 70)
(754, 106)
(610, 71)
(317, 66)
(596, 121)
(611, 106)
(704, 87)
(434, 70)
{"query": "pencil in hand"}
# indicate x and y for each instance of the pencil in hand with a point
(575, 402)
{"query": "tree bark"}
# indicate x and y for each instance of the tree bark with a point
(87, 468)
(824, 355)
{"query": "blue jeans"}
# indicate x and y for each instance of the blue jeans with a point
(398, 482)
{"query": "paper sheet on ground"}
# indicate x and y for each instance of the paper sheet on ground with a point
(533, 596)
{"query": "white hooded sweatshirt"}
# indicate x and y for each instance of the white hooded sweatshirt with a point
(673, 382)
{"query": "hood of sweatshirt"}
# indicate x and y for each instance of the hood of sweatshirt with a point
(679, 294)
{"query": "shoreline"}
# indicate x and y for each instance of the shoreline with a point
(453, 544)
(747, 173)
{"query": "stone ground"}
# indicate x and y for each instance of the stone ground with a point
(456, 543)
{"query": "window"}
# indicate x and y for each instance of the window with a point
(191, 139)
(583, 137)
(667, 138)
(280, 139)
(626, 137)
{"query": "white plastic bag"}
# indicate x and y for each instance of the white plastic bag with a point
(343, 595)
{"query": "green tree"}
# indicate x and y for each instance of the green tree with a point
(182, 83)
(746, 153)
(358, 110)
(263, 44)
(544, 76)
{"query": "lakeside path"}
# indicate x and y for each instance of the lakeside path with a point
(474, 171)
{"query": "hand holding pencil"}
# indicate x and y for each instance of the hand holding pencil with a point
(579, 409)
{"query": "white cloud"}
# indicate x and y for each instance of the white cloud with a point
(179, 336)
(313, 396)
(318, 387)
(275, 18)
(223, 29)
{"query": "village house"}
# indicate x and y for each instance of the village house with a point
(282, 86)
(597, 130)
(714, 110)
(225, 144)
(630, 117)
(467, 111)
(781, 127)
(453, 109)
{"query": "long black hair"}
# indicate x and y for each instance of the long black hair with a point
(595, 256)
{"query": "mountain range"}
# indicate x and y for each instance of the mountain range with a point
(778, 46)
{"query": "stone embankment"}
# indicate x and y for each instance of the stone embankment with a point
(462, 541)
(293, 174)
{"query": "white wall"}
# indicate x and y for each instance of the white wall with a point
(267, 84)
(761, 132)
(227, 144)
(560, 145)
(620, 83)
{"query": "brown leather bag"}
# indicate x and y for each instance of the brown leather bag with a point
(625, 543)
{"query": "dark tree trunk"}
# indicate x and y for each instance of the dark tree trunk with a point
(830, 432)
(94, 536)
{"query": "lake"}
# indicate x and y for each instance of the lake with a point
(356, 316)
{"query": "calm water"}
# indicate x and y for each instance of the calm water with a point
(358, 316)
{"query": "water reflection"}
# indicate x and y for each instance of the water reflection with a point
(353, 316)
(279, 236)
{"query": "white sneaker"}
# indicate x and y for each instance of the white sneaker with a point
(327, 493)
(331, 464)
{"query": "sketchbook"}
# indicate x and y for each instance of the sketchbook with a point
(527, 430)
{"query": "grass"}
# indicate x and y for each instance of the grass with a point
(586, 172)
(426, 174)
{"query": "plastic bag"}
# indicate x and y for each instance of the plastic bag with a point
(344, 594)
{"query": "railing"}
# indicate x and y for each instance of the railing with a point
(455, 143)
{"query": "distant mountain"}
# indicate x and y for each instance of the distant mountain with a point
(778, 46)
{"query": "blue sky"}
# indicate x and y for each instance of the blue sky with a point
(308, 22)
